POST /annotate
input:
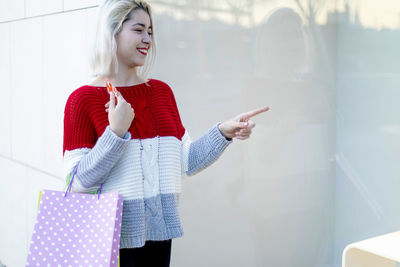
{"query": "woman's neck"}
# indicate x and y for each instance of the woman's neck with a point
(118, 80)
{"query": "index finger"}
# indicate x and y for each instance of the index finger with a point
(254, 112)
(112, 100)
(119, 96)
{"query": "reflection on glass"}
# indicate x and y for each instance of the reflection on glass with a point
(321, 168)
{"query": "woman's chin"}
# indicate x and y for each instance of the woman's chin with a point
(136, 65)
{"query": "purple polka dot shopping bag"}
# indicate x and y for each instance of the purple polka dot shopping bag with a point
(76, 229)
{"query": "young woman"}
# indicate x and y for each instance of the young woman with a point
(135, 142)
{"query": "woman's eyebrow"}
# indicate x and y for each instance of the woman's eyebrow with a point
(141, 24)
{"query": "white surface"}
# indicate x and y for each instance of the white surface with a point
(42, 7)
(14, 208)
(64, 67)
(11, 9)
(77, 4)
(382, 249)
(5, 78)
(27, 124)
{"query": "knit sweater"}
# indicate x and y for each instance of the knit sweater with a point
(145, 166)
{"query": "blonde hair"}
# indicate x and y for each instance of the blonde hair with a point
(110, 17)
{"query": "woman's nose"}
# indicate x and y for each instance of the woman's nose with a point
(147, 39)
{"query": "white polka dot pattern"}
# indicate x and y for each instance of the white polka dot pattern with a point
(76, 230)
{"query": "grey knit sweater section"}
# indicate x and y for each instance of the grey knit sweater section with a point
(207, 149)
(95, 165)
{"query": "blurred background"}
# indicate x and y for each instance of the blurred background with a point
(321, 168)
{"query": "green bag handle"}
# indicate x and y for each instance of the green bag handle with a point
(71, 179)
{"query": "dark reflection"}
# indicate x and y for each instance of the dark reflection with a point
(282, 48)
(288, 164)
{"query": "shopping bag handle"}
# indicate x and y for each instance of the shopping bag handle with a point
(98, 191)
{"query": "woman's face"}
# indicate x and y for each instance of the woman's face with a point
(134, 40)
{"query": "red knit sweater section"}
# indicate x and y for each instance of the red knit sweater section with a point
(156, 113)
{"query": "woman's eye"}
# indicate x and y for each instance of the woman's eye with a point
(138, 30)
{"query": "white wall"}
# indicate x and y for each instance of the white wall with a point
(272, 200)
(41, 63)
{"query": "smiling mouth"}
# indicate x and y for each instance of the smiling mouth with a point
(142, 51)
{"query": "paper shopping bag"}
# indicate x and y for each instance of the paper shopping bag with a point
(76, 229)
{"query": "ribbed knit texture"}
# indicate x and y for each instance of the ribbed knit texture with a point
(85, 106)
(149, 179)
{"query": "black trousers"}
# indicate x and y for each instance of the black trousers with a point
(153, 253)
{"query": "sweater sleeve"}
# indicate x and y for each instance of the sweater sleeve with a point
(201, 153)
(96, 156)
